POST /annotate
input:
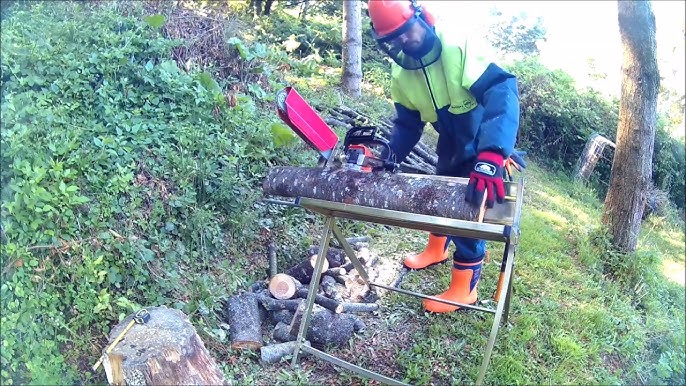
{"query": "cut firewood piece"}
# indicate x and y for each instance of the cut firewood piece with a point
(357, 307)
(328, 328)
(271, 304)
(166, 350)
(244, 319)
(305, 269)
(328, 286)
(282, 332)
(415, 194)
(334, 256)
(329, 304)
(273, 353)
(294, 327)
(325, 327)
(257, 286)
(284, 316)
(271, 252)
(283, 286)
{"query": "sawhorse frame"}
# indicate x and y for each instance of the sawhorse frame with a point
(501, 225)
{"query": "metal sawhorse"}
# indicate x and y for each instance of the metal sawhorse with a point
(501, 224)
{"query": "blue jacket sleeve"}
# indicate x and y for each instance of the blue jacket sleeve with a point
(407, 130)
(496, 91)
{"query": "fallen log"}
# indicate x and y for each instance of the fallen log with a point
(442, 197)
(244, 320)
(283, 286)
(164, 351)
(304, 270)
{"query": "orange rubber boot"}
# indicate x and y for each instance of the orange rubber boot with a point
(435, 252)
(465, 278)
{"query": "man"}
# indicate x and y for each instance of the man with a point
(472, 103)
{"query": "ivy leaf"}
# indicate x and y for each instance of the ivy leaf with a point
(155, 21)
(281, 134)
(208, 83)
(149, 65)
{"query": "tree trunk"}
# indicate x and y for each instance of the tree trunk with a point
(352, 47)
(164, 351)
(632, 163)
(418, 194)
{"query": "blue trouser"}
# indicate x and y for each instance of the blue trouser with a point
(467, 250)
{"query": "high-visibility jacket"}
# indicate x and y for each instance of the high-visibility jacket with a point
(470, 101)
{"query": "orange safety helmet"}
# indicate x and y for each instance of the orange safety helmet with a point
(389, 16)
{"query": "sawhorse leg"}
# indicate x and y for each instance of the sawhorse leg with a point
(502, 309)
(329, 228)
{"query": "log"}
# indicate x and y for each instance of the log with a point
(334, 256)
(243, 313)
(273, 267)
(401, 192)
(164, 351)
(271, 304)
(275, 352)
(325, 327)
(257, 286)
(304, 270)
(282, 332)
(323, 301)
(284, 316)
(329, 328)
(357, 307)
(283, 286)
(328, 286)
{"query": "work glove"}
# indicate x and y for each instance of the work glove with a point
(487, 177)
(515, 161)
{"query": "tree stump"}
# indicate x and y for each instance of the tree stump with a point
(164, 351)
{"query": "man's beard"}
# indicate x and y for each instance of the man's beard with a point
(423, 49)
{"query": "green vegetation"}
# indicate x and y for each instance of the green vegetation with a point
(128, 181)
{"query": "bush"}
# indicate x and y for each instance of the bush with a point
(125, 182)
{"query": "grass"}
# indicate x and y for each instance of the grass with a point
(580, 312)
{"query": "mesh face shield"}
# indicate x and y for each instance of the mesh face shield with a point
(426, 54)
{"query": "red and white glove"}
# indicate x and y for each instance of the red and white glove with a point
(487, 177)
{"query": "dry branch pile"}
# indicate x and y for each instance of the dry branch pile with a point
(272, 310)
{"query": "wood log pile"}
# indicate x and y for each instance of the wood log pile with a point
(422, 159)
(271, 310)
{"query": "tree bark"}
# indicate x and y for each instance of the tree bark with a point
(352, 47)
(428, 195)
(164, 351)
(632, 163)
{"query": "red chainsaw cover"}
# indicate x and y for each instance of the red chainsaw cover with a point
(305, 121)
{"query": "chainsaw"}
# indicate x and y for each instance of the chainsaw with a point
(362, 149)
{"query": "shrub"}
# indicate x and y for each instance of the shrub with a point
(126, 181)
